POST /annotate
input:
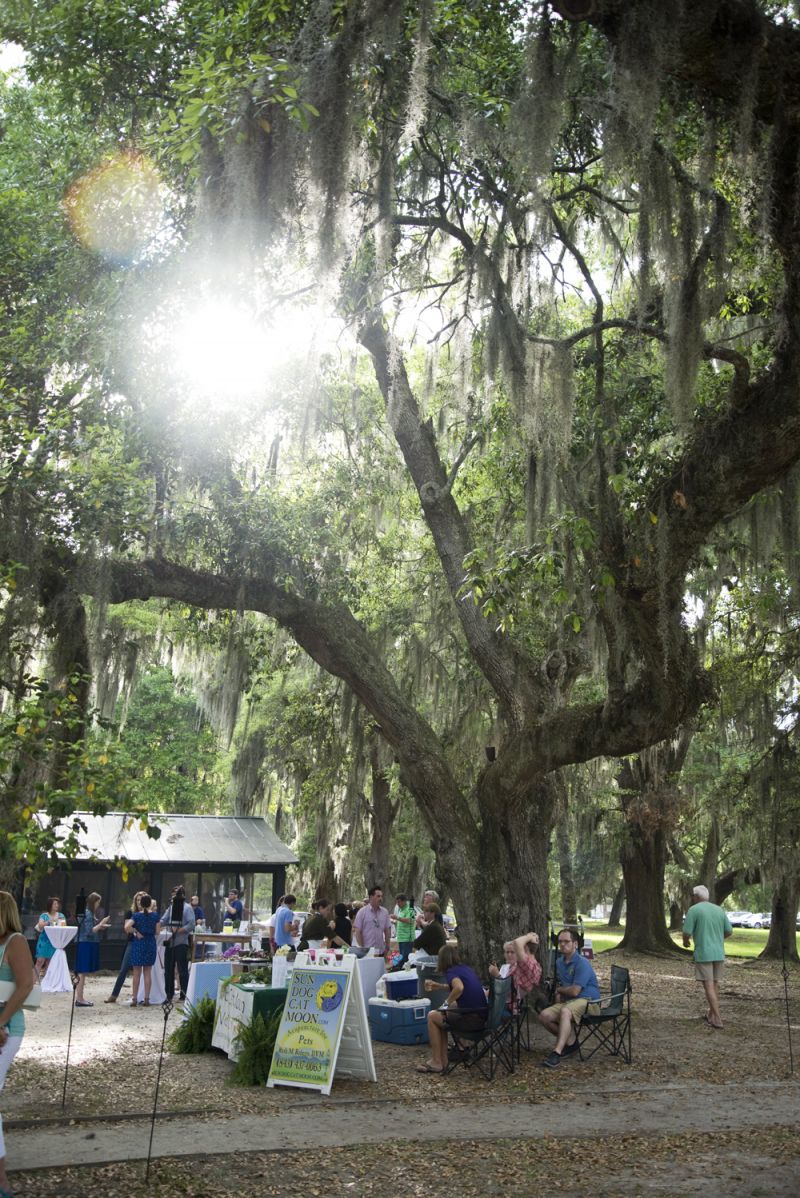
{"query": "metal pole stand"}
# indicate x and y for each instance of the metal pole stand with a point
(166, 1007)
(74, 980)
(785, 976)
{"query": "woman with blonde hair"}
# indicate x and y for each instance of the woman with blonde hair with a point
(87, 958)
(15, 967)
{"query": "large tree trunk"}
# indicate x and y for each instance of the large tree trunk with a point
(782, 939)
(650, 806)
(708, 868)
(569, 898)
(325, 886)
(508, 880)
(383, 812)
(643, 856)
(615, 915)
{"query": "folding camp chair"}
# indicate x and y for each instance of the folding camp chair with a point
(607, 1023)
(494, 1043)
(549, 979)
(523, 1005)
(523, 1039)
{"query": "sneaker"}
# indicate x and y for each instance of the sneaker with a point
(570, 1048)
(553, 1061)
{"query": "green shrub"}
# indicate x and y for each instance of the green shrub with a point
(255, 1044)
(194, 1033)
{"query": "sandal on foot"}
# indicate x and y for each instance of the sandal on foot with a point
(428, 1069)
(111, 998)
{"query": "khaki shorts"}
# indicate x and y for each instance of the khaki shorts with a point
(708, 971)
(575, 1006)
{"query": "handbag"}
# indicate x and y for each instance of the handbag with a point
(32, 1002)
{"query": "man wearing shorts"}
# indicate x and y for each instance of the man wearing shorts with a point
(577, 987)
(709, 927)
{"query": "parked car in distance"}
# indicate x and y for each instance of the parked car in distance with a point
(737, 918)
(760, 919)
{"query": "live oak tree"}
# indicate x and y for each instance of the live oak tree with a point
(604, 213)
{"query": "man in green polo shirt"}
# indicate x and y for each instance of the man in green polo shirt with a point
(709, 927)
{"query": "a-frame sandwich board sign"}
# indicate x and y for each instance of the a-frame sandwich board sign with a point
(324, 1027)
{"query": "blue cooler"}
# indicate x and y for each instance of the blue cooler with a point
(401, 985)
(399, 1022)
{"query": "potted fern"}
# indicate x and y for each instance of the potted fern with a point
(255, 1044)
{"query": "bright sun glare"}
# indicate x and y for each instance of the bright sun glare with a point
(223, 352)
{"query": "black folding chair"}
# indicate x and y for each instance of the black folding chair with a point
(523, 1039)
(607, 1023)
(494, 1043)
(549, 980)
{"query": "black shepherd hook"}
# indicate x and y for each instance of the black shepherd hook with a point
(74, 980)
(166, 1007)
(785, 975)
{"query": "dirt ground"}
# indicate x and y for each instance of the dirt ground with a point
(698, 1111)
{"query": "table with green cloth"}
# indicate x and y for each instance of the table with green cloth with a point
(238, 1003)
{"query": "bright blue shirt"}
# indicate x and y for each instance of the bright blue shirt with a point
(281, 936)
(578, 973)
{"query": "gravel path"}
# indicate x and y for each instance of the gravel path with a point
(698, 1111)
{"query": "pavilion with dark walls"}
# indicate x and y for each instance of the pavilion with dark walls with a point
(206, 854)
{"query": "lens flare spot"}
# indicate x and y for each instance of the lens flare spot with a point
(117, 209)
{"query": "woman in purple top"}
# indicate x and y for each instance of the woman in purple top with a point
(465, 1011)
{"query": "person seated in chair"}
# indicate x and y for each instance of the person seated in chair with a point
(576, 988)
(465, 1008)
(521, 965)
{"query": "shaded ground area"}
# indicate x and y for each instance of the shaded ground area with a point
(670, 1167)
(594, 1128)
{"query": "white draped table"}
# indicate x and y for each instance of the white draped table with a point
(57, 980)
(370, 969)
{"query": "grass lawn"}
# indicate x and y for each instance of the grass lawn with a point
(745, 942)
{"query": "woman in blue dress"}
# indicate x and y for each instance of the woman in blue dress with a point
(145, 927)
(44, 947)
